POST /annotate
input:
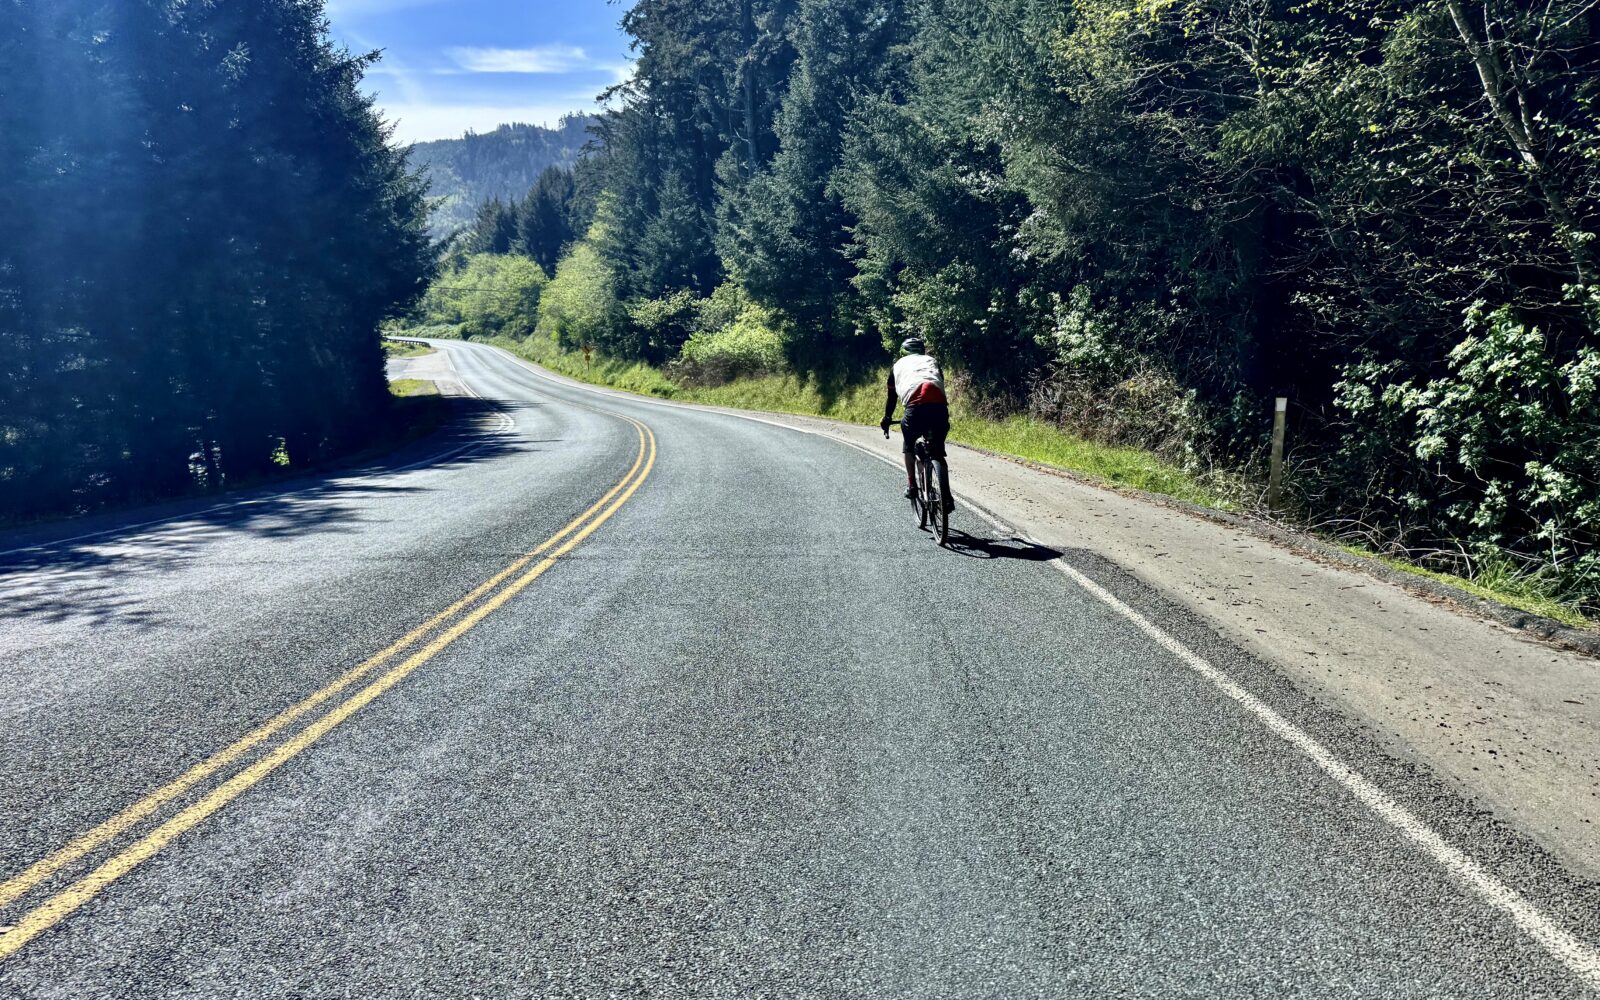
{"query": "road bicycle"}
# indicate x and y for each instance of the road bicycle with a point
(931, 499)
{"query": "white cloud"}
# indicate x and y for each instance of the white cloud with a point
(422, 121)
(620, 72)
(543, 59)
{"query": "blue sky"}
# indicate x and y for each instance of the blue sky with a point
(454, 65)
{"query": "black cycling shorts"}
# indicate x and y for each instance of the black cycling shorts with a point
(926, 420)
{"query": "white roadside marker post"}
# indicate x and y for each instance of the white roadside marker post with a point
(1280, 411)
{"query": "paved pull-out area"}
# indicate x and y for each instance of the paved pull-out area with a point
(610, 698)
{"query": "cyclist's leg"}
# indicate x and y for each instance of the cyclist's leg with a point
(910, 430)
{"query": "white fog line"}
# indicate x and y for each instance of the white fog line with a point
(1578, 956)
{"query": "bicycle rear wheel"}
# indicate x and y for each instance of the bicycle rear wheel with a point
(919, 495)
(939, 487)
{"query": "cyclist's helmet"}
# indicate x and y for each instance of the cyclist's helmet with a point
(913, 345)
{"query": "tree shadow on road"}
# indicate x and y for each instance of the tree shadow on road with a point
(90, 570)
(963, 544)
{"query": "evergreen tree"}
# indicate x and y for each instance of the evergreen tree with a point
(545, 218)
(206, 222)
(786, 233)
(494, 229)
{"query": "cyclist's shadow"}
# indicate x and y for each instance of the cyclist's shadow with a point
(974, 547)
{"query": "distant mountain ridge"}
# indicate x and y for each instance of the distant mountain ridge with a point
(503, 164)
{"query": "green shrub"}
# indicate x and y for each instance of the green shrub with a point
(433, 331)
(749, 347)
(663, 324)
(722, 307)
(580, 307)
(1497, 456)
(488, 296)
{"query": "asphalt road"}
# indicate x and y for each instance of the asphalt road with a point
(740, 731)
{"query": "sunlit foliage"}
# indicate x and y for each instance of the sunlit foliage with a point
(486, 296)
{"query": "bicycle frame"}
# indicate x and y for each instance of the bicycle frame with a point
(931, 494)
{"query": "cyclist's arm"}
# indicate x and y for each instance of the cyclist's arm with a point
(894, 397)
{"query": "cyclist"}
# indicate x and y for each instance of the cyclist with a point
(917, 381)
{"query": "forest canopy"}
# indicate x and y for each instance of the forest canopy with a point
(202, 223)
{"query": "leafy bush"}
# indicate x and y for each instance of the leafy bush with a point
(432, 331)
(1504, 449)
(488, 296)
(580, 307)
(749, 347)
(1101, 387)
(663, 324)
(1147, 409)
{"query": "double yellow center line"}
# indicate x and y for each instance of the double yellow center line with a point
(433, 636)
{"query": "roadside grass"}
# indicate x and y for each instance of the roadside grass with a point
(633, 376)
(857, 404)
(1495, 581)
(1036, 441)
(397, 349)
(405, 388)
(1019, 437)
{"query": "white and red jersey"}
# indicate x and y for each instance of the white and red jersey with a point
(917, 379)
